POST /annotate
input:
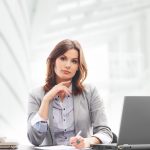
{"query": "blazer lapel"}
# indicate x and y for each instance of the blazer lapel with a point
(51, 122)
(76, 101)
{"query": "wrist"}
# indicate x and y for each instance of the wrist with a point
(87, 142)
(46, 99)
(94, 140)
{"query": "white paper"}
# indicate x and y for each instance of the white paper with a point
(58, 147)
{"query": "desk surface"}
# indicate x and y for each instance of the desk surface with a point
(23, 147)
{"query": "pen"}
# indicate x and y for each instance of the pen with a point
(78, 141)
(79, 133)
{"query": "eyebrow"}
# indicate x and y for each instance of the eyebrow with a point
(71, 58)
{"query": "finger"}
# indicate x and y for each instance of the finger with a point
(73, 140)
(79, 140)
(73, 143)
(79, 146)
(62, 88)
(66, 83)
(67, 90)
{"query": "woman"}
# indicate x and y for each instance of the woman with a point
(62, 107)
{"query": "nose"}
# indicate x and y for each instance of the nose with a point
(68, 64)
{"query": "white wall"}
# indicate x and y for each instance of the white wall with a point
(14, 67)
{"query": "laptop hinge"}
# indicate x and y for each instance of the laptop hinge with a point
(124, 147)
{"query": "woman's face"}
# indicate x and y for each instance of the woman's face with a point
(66, 65)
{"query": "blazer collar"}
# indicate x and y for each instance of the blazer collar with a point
(51, 122)
(77, 100)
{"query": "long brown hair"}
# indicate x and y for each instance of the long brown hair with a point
(81, 74)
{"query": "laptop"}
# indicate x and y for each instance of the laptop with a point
(134, 133)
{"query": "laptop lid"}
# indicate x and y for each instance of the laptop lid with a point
(135, 121)
(134, 131)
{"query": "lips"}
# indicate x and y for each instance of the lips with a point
(65, 71)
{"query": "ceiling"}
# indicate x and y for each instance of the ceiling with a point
(91, 21)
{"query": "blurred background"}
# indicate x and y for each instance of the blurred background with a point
(114, 35)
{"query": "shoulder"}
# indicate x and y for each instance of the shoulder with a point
(92, 91)
(37, 92)
(89, 88)
(93, 96)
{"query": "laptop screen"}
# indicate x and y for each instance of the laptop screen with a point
(135, 121)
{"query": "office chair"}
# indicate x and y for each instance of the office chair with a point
(114, 138)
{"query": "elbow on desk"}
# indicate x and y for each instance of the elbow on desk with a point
(36, 138)
(33, 140)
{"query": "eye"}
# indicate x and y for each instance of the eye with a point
(62, 58)
(74, 61)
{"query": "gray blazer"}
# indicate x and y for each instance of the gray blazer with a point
(89, 115)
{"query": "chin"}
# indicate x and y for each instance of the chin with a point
(64, 78)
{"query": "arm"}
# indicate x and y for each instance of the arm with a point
(98, 119)
(39, 104)
(35, 136)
